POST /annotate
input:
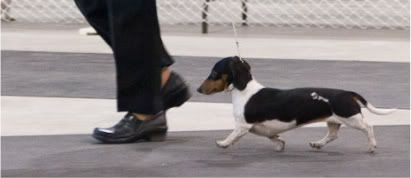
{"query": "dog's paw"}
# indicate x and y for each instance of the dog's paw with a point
(279, 146)
(222, 144)
(371, 149)
(316, 145)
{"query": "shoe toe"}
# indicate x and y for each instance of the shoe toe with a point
(103, 131)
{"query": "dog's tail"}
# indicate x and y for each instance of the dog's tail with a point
(360, 100)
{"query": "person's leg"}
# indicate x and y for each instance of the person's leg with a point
(137, 52)
(96, 14)
(132, 30)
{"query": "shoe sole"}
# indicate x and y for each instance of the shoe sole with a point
(182, 95)
(152, 136)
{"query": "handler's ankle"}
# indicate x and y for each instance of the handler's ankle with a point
(143, 117)
(165, 75)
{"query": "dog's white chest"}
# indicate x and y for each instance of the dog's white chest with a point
(240, 98)
(239, 103)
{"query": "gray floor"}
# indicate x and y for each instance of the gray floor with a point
(195, 154)
(92, 76)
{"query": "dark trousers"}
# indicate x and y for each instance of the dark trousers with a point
(131, 29)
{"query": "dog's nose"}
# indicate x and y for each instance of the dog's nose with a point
(199, 90)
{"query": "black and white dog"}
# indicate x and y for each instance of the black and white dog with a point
(268, 111)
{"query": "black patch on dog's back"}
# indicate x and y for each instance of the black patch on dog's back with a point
(298, 104)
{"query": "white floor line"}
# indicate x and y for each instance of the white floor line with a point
(51, 116)
(383, 50)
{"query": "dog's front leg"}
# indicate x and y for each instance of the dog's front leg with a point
(236, 134)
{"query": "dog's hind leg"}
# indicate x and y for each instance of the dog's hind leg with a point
(357, 121)
(333, 128)
(278, 142)
(264, 131)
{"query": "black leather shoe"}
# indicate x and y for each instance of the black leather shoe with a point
(175, 92)
(130, 129)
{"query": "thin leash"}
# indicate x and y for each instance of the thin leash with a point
(228, 89)
(236, 41)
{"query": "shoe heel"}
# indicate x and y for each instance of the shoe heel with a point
(182, 96)
(185, 96)
(157, 136)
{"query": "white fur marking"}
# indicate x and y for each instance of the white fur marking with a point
(334, 119)
(235, 135)
(331, 136)
(316, 96)
(379, 111)
(358, 122)
(240, 99)
(277, 126)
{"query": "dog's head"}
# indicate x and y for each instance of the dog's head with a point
(227, 71)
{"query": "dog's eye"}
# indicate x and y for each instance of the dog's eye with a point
(213, 75)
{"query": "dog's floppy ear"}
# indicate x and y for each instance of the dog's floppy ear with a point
(240, 70)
